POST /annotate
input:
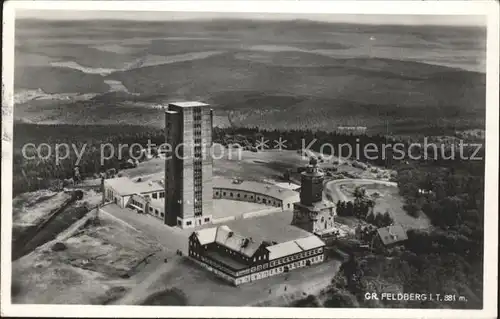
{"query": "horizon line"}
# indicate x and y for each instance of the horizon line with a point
(451, 20)
(256, 20)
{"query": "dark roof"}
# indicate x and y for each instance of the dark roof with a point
(392, 234)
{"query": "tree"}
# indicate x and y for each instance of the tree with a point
(339, 298)
(379, 220)
(412, 209)
(359, 193)
(387, 219)
(370, 218)
(308, 302)
(349, 209)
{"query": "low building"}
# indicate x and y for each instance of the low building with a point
(121, 190)
(250, 191)
(149, 196)
(238, 259)
(390, 236)
(147, 205)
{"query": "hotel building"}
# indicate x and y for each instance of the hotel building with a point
(238, 259)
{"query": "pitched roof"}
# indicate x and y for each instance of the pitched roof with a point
(294, 246)
(224, 236)
(255, 187)
(245, 246)
(310, 242)
(392, 234)
(283, 249)
(206, 236)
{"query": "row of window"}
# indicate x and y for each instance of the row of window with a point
(216, 265)
(260, 268)
(136, 203)
(251, 197)
(285, 260)
(156, 212)
(158, 195)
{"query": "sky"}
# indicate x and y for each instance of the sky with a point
(474, 20)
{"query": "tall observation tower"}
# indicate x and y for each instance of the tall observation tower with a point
(188, 164)
(313, 213)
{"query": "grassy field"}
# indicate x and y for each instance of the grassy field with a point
(31, 209)
(389, 200)
(86, 271)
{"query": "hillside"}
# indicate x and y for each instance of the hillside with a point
(58, 80)
(271, 74)
(366, 92)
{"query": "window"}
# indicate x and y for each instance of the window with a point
(238, 195)
(288, 205)
(151, 209)
(156, 212)
(188, 223)
(231, 194)
(155, 195)
(207, 219)
(162, 215)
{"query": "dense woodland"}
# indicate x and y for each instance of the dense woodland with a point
(43, 170)
(447, 258)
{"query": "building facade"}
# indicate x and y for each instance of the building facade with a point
(121, 190)
(313, 213)
(254, 192)
(188, 164)
(240, 260)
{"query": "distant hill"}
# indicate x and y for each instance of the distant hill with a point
(58, 80)
(366, 92)
(271, 74)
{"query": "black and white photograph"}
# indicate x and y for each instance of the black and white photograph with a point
(250, 161)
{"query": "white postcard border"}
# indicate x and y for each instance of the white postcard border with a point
(489, 8)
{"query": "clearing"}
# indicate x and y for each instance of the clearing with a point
(387, 198)
(87, 266)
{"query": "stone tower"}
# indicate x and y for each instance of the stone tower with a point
(313, 213)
